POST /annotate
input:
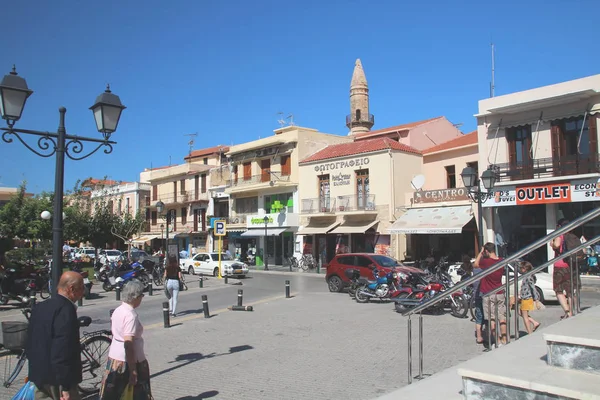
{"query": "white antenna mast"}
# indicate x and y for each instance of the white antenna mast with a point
(191, 143)
(281, 120)
(291, 118)
(493, 83)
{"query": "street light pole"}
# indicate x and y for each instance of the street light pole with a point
(266, 256)
(160, 207)
(107, 112)
(472, 184)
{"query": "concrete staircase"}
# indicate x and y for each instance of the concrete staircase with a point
(561, 361)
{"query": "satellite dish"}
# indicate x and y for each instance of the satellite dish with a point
(418, 181)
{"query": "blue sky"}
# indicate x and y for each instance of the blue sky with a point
(224, 69)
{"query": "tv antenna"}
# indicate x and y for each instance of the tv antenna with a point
(191, 142)
(281, 120)
(291, 119)
(287, 121)
(458, 125)
(493, 82)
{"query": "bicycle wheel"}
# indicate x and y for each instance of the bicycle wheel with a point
(11, 364)
(157, 277)
(94, 355)
(303, 263)
(45, 291)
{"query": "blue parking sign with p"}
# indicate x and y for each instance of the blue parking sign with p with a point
(220, 229)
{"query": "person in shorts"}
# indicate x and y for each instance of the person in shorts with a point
(486, 259)
(528, 296)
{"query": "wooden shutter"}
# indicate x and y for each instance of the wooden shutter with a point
(196, 186)
(286, 166)
(512, 147)
(265, 167)
(154, 192)
(247, 171)
(203, 183)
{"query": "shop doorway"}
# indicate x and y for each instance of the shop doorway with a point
(516, 227)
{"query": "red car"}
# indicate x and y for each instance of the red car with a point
(365, 263)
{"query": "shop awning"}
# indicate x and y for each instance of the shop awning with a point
(316, 228)
(143, 239)
(261, 232)
(236, 229)
(433, 220)
(354, 227)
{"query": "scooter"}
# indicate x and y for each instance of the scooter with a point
(19, 289)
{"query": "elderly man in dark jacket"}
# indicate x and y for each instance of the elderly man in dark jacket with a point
(53, 348)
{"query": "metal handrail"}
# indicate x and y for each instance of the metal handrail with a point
(502, 264)
(546, 264)
(525, 250)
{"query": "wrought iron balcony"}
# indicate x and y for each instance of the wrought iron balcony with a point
(365, 202)
(576, 164)
(192, 196)
(317, 205)
(264, 178)
(360, 120)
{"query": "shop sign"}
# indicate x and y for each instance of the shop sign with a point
(275, 220)
(576, 191)
(332, 166)
(434, 196)
(341, 179)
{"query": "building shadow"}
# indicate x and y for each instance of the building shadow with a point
(205, 395)
(183, 360)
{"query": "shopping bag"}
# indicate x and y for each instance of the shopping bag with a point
(27, 392)
(127, 393)
(539, 305)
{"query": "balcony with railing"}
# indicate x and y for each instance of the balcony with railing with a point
(364, 203)
(353, 120)
(193, 196)
(322, 205)
(576, 164)
(257, 181)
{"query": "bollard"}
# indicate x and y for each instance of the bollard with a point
(32, 300)
(240, 297)
(205, 306)
(287, 289)
(165, 306)
(80, 302)
(149, 288)
(118, 292)
(201, 283)
(241, 308)
(225, 279)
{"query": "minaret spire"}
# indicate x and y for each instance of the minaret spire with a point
(359, 120)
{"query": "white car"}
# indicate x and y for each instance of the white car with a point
(208, 264)
(85, 252)
(109, 256)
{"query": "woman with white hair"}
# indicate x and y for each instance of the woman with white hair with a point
(127, 364)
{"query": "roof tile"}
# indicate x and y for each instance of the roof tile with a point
(208, 151)
(363, 146)
(460, 141)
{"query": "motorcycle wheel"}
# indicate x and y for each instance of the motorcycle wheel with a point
(361, 298)
(158, 281)
(106, 286)
(352, 291)
(460, 309)
(401, 308)
(4, 300)
(145, 280)
(45, 291)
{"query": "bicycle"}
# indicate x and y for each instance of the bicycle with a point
(94, 355)
(293, 262)
(307, 261)
(157, 274)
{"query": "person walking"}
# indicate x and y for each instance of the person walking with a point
(561, 276)
(127, 364)
(486, 259)
(52, 346)
(528, 296)
(173, 278)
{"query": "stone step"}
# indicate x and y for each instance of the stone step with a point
(520, 370)
(575, 344)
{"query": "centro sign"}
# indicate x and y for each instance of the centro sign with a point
(357, 162)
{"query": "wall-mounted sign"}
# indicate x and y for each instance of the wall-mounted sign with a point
(576, 191)
(434, 196)
(275, 220)
(340, 179)
(332, 166)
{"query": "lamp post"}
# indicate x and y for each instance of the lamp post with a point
(107, 111)
(162, 227)
(160, 207)
(266, 219)
(472, 183)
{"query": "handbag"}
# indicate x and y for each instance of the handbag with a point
(127, 393)
(539, 305)
(561, 263)
(27, 392)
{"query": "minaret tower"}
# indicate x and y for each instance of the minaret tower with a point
(359, 120)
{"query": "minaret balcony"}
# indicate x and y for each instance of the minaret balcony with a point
(353, 120)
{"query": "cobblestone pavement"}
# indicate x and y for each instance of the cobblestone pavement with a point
(312, 346)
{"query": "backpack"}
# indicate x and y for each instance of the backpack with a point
(571, 242)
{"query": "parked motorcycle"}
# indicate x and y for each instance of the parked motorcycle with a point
(417, 289)
(115, 274)
(14, 288)
(382, 288)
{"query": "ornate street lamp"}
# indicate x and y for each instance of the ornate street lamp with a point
(266, 256)
(13, 95)
(160, 207)
(471, 182)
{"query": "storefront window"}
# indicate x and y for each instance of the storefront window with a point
(572, 211)
(246, 205)
(516, 227)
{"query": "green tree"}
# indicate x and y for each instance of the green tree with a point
(11, 225)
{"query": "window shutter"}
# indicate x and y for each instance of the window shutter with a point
(512, 148)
